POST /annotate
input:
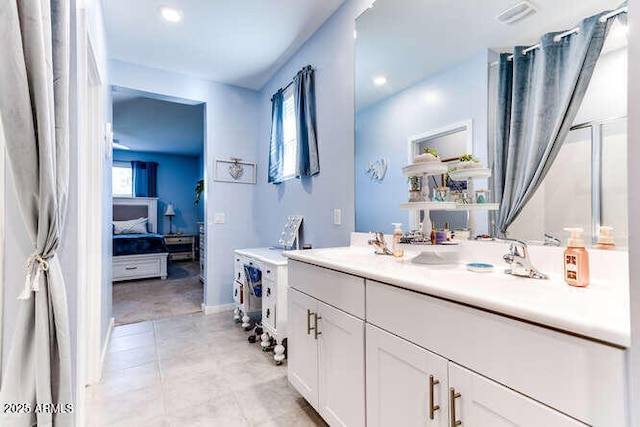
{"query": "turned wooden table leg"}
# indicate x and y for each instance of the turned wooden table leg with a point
(278, 353)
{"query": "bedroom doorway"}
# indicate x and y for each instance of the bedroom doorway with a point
(158, 206)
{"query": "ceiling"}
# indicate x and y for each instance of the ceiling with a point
(409, 40)
(142, 123)
(238, 42)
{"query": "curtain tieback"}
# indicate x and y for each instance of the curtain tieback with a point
(32, 282)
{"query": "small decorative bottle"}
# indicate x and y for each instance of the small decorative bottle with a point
(397, 235)
(576, 260)
(605, 240)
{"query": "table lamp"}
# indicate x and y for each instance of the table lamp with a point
(170, 213)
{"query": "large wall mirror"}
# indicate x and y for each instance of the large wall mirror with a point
(424, 65)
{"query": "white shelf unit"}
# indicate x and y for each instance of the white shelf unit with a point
(465, 174)
(449, 206)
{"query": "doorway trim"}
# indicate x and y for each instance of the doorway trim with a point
(90, 159)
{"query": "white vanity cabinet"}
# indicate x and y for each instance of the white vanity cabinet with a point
(507, 372)
(430, 361)
(410, 386)
(326, 342)
(477, 401)
(406, 384)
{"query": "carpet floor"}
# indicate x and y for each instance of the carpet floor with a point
(144, 300)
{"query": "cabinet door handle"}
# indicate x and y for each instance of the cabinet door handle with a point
(268, 313)
(315, 328)
(432, 406)
(452, 404)
(268, 271)
(131, 268)
(309, 313)
(268, 292)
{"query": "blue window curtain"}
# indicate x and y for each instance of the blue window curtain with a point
(539, 95)
(145, 179)
(276, 148)
(307, 163)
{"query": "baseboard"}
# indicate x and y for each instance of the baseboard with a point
(105, 347)
(213, 309)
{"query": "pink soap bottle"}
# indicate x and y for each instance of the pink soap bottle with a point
(576, 260)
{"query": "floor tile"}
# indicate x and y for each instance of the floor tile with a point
(130, 358)
(132, 328)
(194, 370)
(127, 342)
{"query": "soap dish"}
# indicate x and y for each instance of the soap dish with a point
(478, 267)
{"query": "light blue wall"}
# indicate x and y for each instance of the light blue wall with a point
(331, 52)
(177, 178)
(231, 131)
(383, 130)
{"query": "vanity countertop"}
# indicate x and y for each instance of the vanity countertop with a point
(599, 312)
(269, 255)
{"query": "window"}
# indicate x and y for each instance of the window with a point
(122, 179)
(290, 139)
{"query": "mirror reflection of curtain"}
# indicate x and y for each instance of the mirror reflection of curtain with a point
(145, 179)
(34, 104)
(539, 94)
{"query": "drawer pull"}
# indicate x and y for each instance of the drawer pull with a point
(432, 406)
(452, 404)
(268, 292)
(268, 313)
(131, 268)
(315, 329)
(268, 271)
(309, 313)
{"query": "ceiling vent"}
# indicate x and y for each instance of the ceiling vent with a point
(516, 12)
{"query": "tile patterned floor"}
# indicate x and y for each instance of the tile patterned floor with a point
(193, 370)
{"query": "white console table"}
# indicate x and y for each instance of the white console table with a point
(274, 295)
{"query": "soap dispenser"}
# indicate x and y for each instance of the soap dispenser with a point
(397, 235)
(576, 260)
(605, 239)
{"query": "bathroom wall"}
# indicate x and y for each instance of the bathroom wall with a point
(231, 121)
(570, 175)
(454, 95)
(177, 179)
(331, 52)
(633, 358)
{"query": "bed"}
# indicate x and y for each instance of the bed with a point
(139, 255)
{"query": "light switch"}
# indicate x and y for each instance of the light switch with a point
(337, 216)
(219, 218)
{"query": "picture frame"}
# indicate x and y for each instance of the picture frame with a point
(235, 171)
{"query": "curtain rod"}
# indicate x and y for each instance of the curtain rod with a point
(308, 67)
(560, 36)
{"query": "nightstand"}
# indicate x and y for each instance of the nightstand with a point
(181, 246)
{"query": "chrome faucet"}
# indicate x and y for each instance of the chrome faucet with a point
(520, 262)
(379, 243)
(551, 240)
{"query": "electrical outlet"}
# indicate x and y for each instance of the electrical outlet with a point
(219, 218)
(337, 216)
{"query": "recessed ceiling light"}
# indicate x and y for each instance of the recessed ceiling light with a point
(379, 81)
(171, 14)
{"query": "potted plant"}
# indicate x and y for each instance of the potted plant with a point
(467, 161)
(199, 191)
